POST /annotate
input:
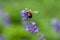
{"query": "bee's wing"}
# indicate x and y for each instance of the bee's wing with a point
(35, 12)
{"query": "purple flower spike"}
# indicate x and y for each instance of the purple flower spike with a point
(32, 23)
(32, 28)
(25, 18)
(5, 18)
(35, 29)
(2, 37)
(22, 12)
(28, 28)
(41, 36)
(24, 15)
(56, 25)
(6, 22)
(54, 21)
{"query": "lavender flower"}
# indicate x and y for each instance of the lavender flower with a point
(56, 25)
(32, 23)
(2, 37)
(23, 12)
(54, 21)
(28, 28)
(24, 15)
(25, 18)
(5, 18)
(35, 29)
(41, 36)
(32, 28)
(6, 22)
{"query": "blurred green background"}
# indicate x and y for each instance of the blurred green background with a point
(47, 10)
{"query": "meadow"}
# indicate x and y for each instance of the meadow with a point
(47, 9)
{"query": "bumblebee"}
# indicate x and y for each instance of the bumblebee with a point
(29, 12)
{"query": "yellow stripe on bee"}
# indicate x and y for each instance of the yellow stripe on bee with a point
(29, 11)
